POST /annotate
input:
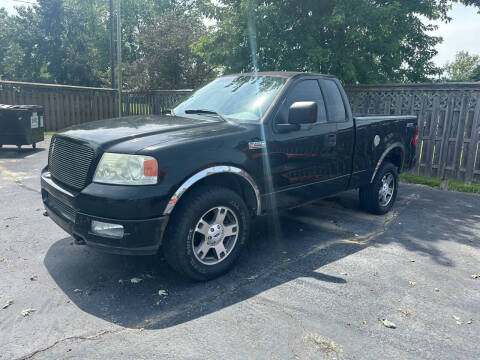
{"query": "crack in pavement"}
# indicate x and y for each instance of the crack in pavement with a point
(76, 337)
(26, 187)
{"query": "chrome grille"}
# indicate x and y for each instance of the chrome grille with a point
(69, 162)
(61, 209)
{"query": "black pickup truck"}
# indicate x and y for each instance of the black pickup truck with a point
(189, 182)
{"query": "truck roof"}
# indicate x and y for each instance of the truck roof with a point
(287, 74)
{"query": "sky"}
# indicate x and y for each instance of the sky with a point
(459, 34)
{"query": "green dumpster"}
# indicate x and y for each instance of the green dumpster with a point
(21, 125)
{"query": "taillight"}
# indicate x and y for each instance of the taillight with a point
(415, 140)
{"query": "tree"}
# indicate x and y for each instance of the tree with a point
(166, 59)
(476, 74)
(363, 41)
(466, 67)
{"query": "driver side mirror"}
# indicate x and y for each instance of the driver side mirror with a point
(301, 112)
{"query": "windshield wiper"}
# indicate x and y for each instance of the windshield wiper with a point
(205, 112)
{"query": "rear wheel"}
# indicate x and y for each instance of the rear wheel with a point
(207, 232)
(379, 196)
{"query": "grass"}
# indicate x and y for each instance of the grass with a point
(422, 180)
(49, 132)
(462, 187)
(435, 183)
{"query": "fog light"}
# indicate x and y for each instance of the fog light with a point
(107, 230)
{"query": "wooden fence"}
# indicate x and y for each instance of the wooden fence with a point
(70, 105)
(151, 102)
(449, 123)
(64, 105)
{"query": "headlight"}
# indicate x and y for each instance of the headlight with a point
(122, 169)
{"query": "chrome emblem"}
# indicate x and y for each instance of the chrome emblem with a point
(256, 145)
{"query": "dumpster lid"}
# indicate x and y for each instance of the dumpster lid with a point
(21, 107)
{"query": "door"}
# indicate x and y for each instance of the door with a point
(303, 163)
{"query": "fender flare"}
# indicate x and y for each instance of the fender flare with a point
(384, 155)
(213, 171)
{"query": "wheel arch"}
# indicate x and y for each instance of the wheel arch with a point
(394, 153)
(232, 177)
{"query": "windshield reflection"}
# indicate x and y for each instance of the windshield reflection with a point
(240, 97)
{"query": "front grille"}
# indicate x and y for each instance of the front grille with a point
(61, 209)
(69, 162)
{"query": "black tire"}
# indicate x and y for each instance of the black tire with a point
(180, 237)
(369, 195)
(34, 146)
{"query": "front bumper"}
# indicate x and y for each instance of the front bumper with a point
(141, 236)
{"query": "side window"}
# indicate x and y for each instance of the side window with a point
(335, 105)
(307, 90)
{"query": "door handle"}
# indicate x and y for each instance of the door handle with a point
(331, 139)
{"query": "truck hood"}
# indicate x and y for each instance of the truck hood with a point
(131, 134)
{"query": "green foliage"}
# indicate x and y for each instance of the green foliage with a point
(466, 67)
(364, 41)
(165, 56)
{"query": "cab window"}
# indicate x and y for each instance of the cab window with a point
(306, 90)
(335, 105)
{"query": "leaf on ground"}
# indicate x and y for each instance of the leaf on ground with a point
(26, 312)
(459, 322)
(162, 292)
(470, 321)
(365, 322)
(388, 324)
(436, 289)
(476, 276)
(412, 283)
(7, 304)
(343, 273)
(412, 260)
(404, 312)
(2, 259)
(135, 280)
(34, 277)
(456, 317)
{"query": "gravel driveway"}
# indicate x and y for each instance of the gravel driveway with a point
(314, 284)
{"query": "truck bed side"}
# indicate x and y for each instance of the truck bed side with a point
(378, 138)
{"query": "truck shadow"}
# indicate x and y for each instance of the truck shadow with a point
(301, 244)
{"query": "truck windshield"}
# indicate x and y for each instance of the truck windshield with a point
(241, 98)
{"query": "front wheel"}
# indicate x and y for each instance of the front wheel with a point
(379, 196)
(207, 232)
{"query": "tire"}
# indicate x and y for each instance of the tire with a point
(187, 248)
(34, 146)
(376, 199)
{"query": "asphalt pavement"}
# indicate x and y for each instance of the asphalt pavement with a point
(323, 281)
